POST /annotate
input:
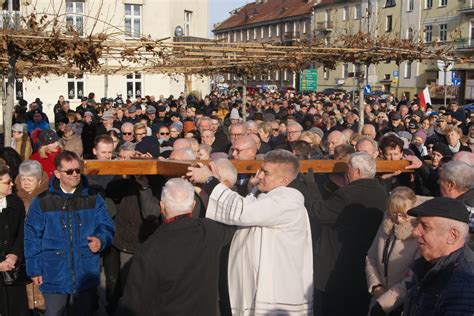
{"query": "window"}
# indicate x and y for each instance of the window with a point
(428, 4)
(345, 70)
(407, 70)
(286, 27)
(134, 85)
(428, 33)
(294, 28)
(326, 74)
(388, 23)
(254, 33)
(270, 31)
(345, 13)
(285, 75)
(241, 35)
(188, 15)
(443, 32)
(443, 3)
(133, 20)
(75, 16)
(410, 5)
(235, 37)
(278, 30)
(327, 16)
(75, 86)
(357, 11)
(16, 5)
(269, 77)
(18, 88)
(410, 34)
(261, 32)
(248, 34)
(304, 27)
(277, 75)
(390, 3)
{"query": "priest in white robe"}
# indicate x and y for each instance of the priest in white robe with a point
(271, 261)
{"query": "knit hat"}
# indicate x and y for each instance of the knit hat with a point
(234, 114)
(47, 137)
(317, 131)
(443, 149)
(149, 144)
(178, 126)
(19, 127)
(422, 134)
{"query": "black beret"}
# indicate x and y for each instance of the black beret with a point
(443, 149)
(442, 207)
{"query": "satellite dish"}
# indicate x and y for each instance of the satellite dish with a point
(178, 31)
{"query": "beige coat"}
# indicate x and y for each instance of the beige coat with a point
(403, 253)
(74, 144)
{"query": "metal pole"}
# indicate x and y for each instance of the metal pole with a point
(106, 80)
(361, 99)
(244, 100)
(445, 92)
(11, 73)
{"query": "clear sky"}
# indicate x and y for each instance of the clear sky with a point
(219, 10)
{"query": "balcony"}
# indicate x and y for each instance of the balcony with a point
(466, 6)
(464, 44)
(291, 37)
(326, 26)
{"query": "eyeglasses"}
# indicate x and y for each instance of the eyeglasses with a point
(400, 215)
(140, 134)
(164, 133)
(28, 179)
(70, 172)
(125, 133)
(236, 135)
(293, 132)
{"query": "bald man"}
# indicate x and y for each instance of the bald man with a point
(244, 148)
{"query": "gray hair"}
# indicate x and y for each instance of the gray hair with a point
(460, 173)
(282, 156)
(183, 154)
(236, 125)
(227, 171)
(203, 119)
(291, 123)
(178, 196)
(365, 163)
(127, 146)
(127, 124)
(461, 227)
(31, 168)
(250, 124)
(368, 139)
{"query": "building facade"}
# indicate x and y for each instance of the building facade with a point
(124, 20)
(283, 22)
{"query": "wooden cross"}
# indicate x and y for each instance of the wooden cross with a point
(178, 168)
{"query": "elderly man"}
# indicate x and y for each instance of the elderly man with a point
(293, 131)
(175, 272)
(368, 130)
(443, 279)
(348, 221)
(456, 181)
(335, 138)
(270, 263)
(368, 145)
(127, 132)
(244, 148)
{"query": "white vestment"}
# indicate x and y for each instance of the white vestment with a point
(271, 259)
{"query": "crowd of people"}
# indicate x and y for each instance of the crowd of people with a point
(217, 242)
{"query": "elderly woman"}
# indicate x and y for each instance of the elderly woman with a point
(13, 300)
(453, 138)
(31, 181)
(21, 141)
(72, 139)
(314, 140)
(392, 252)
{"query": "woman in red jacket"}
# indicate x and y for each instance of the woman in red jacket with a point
(50, 147)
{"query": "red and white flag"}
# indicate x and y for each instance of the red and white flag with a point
(425, 98)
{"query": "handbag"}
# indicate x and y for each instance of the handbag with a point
(17, 276)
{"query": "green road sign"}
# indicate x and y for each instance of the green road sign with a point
(309, 80)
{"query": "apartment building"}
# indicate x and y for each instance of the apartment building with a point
(283, 22)
(123, 20)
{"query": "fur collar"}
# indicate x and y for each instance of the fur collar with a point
(402, 231)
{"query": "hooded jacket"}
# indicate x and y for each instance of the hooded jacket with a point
(56, 231)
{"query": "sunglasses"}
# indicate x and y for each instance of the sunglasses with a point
(275, 129)
(164, 133)
(126, 133)
(70, 172)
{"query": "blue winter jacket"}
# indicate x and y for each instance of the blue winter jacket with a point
(56, 231)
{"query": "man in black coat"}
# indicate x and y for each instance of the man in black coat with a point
(175, 272)
(443, 279)
(348, 221)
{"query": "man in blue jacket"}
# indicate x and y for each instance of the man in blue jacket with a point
(66, 229)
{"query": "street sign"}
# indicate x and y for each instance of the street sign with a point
(368, 89)
(456, 82)
(395, 73)
(309, 80)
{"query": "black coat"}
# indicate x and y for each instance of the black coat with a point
(443, 288)
(175, 272)
(348, 221)
(13, 299)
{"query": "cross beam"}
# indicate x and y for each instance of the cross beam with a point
(179, 168)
